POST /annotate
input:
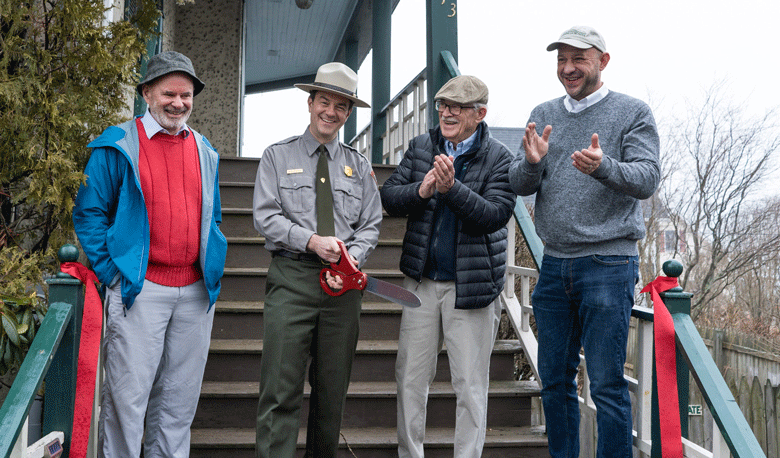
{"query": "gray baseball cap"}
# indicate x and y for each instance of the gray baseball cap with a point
(463, 89)
(582, 37)
(169, 62)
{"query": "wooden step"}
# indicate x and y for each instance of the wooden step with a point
(239, 360)
(238, 169)
(248, 283)
(244, 320)
(244, 170)
(235, 194)
(251, 252)
(370, 442)
(238, 222)
(368, 403)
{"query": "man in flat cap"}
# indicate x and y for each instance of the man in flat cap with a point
(311, 193)
(148, 219)
(591, 157)
(453, 186)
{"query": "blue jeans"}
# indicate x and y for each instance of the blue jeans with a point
(585, 303)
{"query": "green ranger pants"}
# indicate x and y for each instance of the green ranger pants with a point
(301, 320)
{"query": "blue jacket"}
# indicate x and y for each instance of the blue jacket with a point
(112, 223)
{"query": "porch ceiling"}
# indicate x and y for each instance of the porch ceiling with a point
(286, 44)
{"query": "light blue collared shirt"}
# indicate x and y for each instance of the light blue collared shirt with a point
(462, 147)
(575, 106)
(151, 126)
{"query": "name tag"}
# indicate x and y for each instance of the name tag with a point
(292, 171)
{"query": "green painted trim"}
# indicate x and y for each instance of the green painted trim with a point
(61, 377)
(532, 241)
(351, 61)
(725, 411)
(30, 377)
(288, 83)
(380, 78)
(441, 35)
(450, 64)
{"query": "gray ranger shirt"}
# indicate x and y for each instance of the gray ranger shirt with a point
(284, 206)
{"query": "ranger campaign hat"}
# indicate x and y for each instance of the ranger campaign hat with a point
(463, 89)
(169, 62)
(336, 78)
(582, 37)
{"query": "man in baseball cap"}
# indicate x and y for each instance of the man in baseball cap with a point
(312, 192)
(581, 37)
(590, 157)
(453, 186)
(154, 242)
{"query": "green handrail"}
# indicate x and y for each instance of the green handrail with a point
(450, 64)
(725, 411)
(532, 240)
(31, 374)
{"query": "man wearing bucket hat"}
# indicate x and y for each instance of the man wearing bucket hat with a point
(312, 192)
(148, 219)
(588, 213)
(453, 185)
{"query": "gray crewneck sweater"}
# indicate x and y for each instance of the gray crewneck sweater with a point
(580, 215)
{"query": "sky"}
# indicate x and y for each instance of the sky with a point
(665, 52)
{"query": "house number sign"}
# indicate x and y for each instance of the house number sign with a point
(453, 10)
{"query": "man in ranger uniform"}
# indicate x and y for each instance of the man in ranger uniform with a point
(311, 193)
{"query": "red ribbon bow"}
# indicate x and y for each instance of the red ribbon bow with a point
(89, 350)
(666, 369)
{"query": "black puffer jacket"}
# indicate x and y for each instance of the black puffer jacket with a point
(483, 202)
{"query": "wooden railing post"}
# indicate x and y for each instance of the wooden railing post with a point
(676, 301)
(61, 377)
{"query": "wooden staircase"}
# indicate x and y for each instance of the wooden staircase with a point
(224, 425)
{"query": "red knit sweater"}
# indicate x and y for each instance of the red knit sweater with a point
(170, 181)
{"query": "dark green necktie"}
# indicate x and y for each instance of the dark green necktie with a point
(325, 225)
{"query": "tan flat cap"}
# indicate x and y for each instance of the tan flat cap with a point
(463, 89)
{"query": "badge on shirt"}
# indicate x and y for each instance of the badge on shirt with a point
(347, 170)
(291, 171)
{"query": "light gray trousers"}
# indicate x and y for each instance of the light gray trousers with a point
(155, 355)
(469, 336)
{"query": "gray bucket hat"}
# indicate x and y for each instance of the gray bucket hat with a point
(169, 62)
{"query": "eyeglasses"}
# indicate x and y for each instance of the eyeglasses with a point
(454, 108)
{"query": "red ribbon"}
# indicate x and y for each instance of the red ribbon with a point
(666, 369)
(89, 350)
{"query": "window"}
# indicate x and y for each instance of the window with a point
(670, 239)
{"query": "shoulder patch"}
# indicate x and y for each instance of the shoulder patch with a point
(373, 175)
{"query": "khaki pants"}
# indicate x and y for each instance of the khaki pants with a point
(469, 336)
